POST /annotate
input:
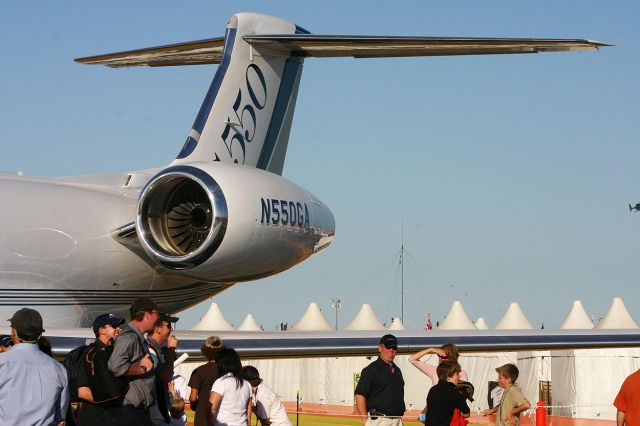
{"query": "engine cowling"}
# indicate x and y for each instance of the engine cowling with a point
(229, 223)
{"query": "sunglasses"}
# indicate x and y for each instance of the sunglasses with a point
(395, 348)
(442, 357)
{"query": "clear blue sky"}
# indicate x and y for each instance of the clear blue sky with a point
(512, 174)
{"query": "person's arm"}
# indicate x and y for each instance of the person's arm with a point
(166, 373)
(427, 351)
(620, 418)
(63, 403)
(85, 393)
(120, 360)
(489, 411)
(249, 410)
(428, 369)
(141, 367)
(463, 407)
(215, 401)
(193, 398)
(361, 406)
(519, 409)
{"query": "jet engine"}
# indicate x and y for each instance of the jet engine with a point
(229, 223)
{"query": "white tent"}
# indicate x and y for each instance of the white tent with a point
(249, 324)
(535, 367)
(457, 318)
(577, 318)
(585, 382)
(366, 319)
(617, 316)
(481, 324)
(396, 324)
(312, 320)
(213, 320)
(514, 319)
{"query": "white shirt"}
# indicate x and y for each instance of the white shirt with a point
(233, 408)
(268, 405)
(33, 387)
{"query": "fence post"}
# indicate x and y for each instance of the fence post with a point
(541, 414)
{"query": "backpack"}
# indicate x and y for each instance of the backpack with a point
(107, 389)
(72, 362)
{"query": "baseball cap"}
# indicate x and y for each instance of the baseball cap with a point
(144, 304)
(389, 341)
(166, 318)
(28, 324)
(106, 319)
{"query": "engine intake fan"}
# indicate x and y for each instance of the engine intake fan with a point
(182, 217)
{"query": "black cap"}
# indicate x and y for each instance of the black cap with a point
(6, 340)
(107, 319)
(389, 341)
(166, 318)
(28, 324)
(144, 304)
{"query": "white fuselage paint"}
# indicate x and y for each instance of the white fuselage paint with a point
(58, 252)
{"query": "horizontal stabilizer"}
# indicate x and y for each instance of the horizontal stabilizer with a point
(375, 47)
(323, 46)
(189, 53)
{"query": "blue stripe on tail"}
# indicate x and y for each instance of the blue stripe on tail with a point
(287, 84)
(205, 109)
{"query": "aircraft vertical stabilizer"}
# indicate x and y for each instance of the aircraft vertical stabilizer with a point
(246, 115)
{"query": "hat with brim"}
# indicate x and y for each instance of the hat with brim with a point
(107, 319)
(166, 318)
(389, 341)
(5, 340)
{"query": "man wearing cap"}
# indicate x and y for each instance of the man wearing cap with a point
(380, 390)
(162, 345)
(33, 386)
(131, 359)
(106, 328)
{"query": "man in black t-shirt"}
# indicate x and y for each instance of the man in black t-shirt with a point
(380, 390)
(106, 327)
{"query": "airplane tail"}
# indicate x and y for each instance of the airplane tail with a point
(246, 115)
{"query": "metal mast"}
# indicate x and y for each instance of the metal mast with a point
(402, 274)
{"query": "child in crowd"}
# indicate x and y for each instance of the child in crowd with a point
(513, 402)
(443, 398)
(176, 411)
(266, 404)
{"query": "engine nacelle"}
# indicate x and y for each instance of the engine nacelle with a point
(229, 223)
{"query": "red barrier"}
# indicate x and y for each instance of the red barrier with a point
(541, 414)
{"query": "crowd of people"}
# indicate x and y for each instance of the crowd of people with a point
(379, 393)
(126, 377)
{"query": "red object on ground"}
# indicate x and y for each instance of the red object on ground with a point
(541, 414)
